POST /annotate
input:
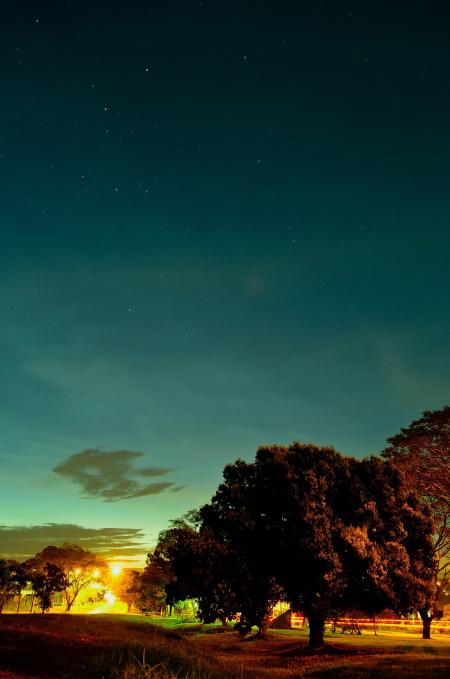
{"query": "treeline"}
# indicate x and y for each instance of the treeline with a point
(68, 569)
(319, 530)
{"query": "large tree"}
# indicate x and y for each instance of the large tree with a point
(330, 531)
(422, 454)
(236, 521)
(78, 565)
(305, 523)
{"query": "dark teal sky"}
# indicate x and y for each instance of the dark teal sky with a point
(222, 224)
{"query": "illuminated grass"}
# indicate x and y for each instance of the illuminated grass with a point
(109, 647)
(129, 647)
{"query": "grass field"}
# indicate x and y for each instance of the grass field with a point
(131, 647)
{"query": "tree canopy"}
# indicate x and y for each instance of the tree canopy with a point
(4, 582)
(46, 581)
(77, 564)
(422, 454)
(236, 519)
(305, 523)
(128, 588)
(189, 564)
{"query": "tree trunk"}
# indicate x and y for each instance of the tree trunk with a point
(427, 618)
(262, 628)
(19, 599)
(316, 631)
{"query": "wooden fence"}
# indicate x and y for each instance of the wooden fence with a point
(438, 626)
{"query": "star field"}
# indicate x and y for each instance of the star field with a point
(222, 224)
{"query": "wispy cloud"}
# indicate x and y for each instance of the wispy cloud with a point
(21, 542)
(111, 476)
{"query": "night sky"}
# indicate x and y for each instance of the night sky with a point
(222, 224)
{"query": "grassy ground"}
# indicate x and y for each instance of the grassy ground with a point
(129, 647)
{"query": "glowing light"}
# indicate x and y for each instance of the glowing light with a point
(110, 598)
(96, 573)
(116, 569)
(77, 571)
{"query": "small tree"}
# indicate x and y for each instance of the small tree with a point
(152, 584)
(77, 564)
(168, 575)
(127, 587)
(4, 582)
(422, 454)
(191, 565)
(46, 582)
(18, 578)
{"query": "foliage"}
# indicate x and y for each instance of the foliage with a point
(323, 530)
(18, 577)
(195, 566)
(236, 520)
(152, 595)
(187, 609)
(346, 532)
(422, 454)
(13, 577)
(46, 582)
(78, 565)
(4, 582)
(127, 587)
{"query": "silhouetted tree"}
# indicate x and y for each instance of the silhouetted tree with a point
(192, 565)
(347, 533)
(422, 454)
(127, 587)
(305, 523)
(46, 581)
(18, 578)
(236, 521)
(326, 530)
(77, 564)
(4, 582)
(153, 581)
